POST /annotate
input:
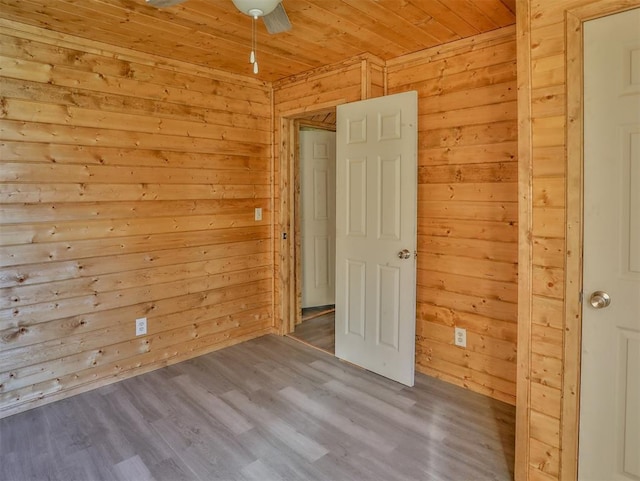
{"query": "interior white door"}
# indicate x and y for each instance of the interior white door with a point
(609, 442)
(376, 196)
(318, 216)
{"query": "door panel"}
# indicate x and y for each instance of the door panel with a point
(387, 319)
(317, 223)
(376, 194)
(356, 197)
(321, 265)
(355, 309)
(610, 387)
(389, 200)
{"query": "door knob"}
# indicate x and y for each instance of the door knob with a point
(600, 299)
(404, 254)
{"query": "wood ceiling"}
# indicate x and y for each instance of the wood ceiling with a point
(214, 34)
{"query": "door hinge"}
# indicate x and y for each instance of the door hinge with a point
(580, 296)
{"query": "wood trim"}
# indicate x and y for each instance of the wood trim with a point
(525, 245)
(292, 287)
(311, 110)
(275, 320)
(365, 84)
(284, 225)
(297, 237)
(573, 254)
(385, 78)
(601, 8)
(575, 19)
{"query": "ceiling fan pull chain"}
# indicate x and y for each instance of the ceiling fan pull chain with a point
(253, 58)
(254, 46)
(252, 55)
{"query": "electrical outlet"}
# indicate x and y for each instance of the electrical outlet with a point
(460, 337)
(141, 326)
(258, 213)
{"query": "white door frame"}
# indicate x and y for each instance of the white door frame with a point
(574, 226)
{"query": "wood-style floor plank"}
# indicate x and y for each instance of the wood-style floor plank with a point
(271, 409)
(318, 329)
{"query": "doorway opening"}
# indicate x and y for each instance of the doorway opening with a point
(312, 222)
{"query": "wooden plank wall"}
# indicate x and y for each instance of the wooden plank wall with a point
(545, 316)
(358, 78)
(467, 208)
(128, 188)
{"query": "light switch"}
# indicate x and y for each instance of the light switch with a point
(258, 213)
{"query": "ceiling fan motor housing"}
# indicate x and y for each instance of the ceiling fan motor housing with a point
(256, 8)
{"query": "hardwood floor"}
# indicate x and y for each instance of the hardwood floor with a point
(271, 409)
(318, 330)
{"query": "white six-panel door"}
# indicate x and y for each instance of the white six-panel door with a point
(609, 441)
(318, 219)
(376, 195)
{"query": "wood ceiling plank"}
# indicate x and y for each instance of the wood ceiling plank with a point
(447, 17)
(469, 10)
(310, 31)
(227, 22)
(511, 5)
(351, 31)
(438, 31)
(40, 16)
(73, 20)
(215, 52)
(352, 27)
(416, 17)
(212, 45)
(497, 12)
(303, 40)
(386, 21)
(203, 48)
(214, 34)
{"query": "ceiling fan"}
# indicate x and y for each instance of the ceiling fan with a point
(272, 12)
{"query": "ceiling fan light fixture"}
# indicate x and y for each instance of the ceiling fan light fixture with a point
(256, 8)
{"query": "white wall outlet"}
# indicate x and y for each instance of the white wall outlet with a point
(141, 326)
(258, 213)
(460, 337)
